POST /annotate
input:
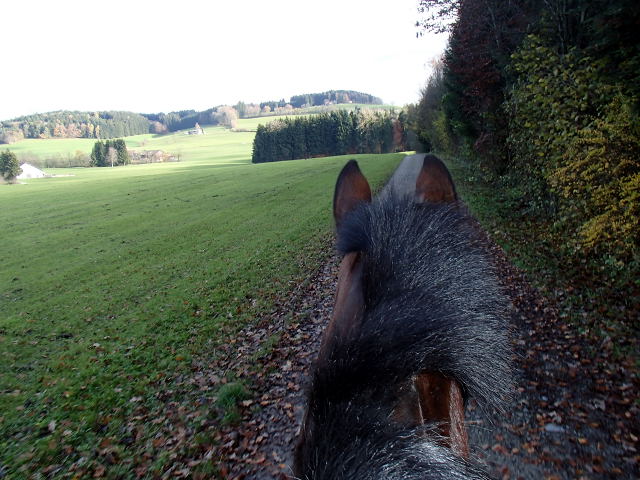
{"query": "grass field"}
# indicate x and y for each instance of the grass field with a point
(219, 144)
(113, 278)
(50, 147)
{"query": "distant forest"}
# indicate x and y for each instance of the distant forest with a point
(66, 124)
(114, 124)
(332, 96)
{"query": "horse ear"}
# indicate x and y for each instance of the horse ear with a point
(434, 183)
(352, 189)
(441, 402)
(346, 319)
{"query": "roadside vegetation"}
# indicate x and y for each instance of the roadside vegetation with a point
(597, 298)
(536, 104)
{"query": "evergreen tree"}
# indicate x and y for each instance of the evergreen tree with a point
(9, 166)
(99, 155)
(123, 153)
(334, 133)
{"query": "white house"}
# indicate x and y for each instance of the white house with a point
(29, 171)
(197, 130)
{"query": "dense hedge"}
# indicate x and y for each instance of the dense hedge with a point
(599, 183)
(334, 133)
(544, 99)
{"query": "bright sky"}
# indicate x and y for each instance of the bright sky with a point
(152, 55)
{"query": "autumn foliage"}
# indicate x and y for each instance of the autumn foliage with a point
(599, 183)
(543, 98)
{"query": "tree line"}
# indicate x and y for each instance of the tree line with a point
(317, 99)
(543, 97)
(334, 133)
(114, 124)
(67, 124)
(333, 96)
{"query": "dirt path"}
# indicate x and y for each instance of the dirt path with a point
(403, 180)
(262, 446)
(574, 413)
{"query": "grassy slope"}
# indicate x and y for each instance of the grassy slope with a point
(218, 144)
(217, 140)
(51, 147)
(116, 276)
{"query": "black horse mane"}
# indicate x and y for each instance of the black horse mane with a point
(432, 303)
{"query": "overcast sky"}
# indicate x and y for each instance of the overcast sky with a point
(151, 56)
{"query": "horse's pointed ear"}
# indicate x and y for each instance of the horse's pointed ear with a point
(434, 183)
(441, 402)
(352, 189)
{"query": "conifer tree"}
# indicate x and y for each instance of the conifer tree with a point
(9, 166)
(99, 154)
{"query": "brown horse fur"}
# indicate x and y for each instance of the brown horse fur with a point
(441, 401)
(440, 398)
(351, 190)
(434, 183)
(418, 326)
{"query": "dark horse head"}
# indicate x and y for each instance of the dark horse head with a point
(418, 327)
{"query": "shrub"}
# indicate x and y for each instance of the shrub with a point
(599, 183)
(553, 98)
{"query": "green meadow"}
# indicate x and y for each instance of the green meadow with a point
(218, 144)
(115, 277)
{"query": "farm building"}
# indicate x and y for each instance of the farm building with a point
(29, 171)
(151, 156)
(197, 130)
